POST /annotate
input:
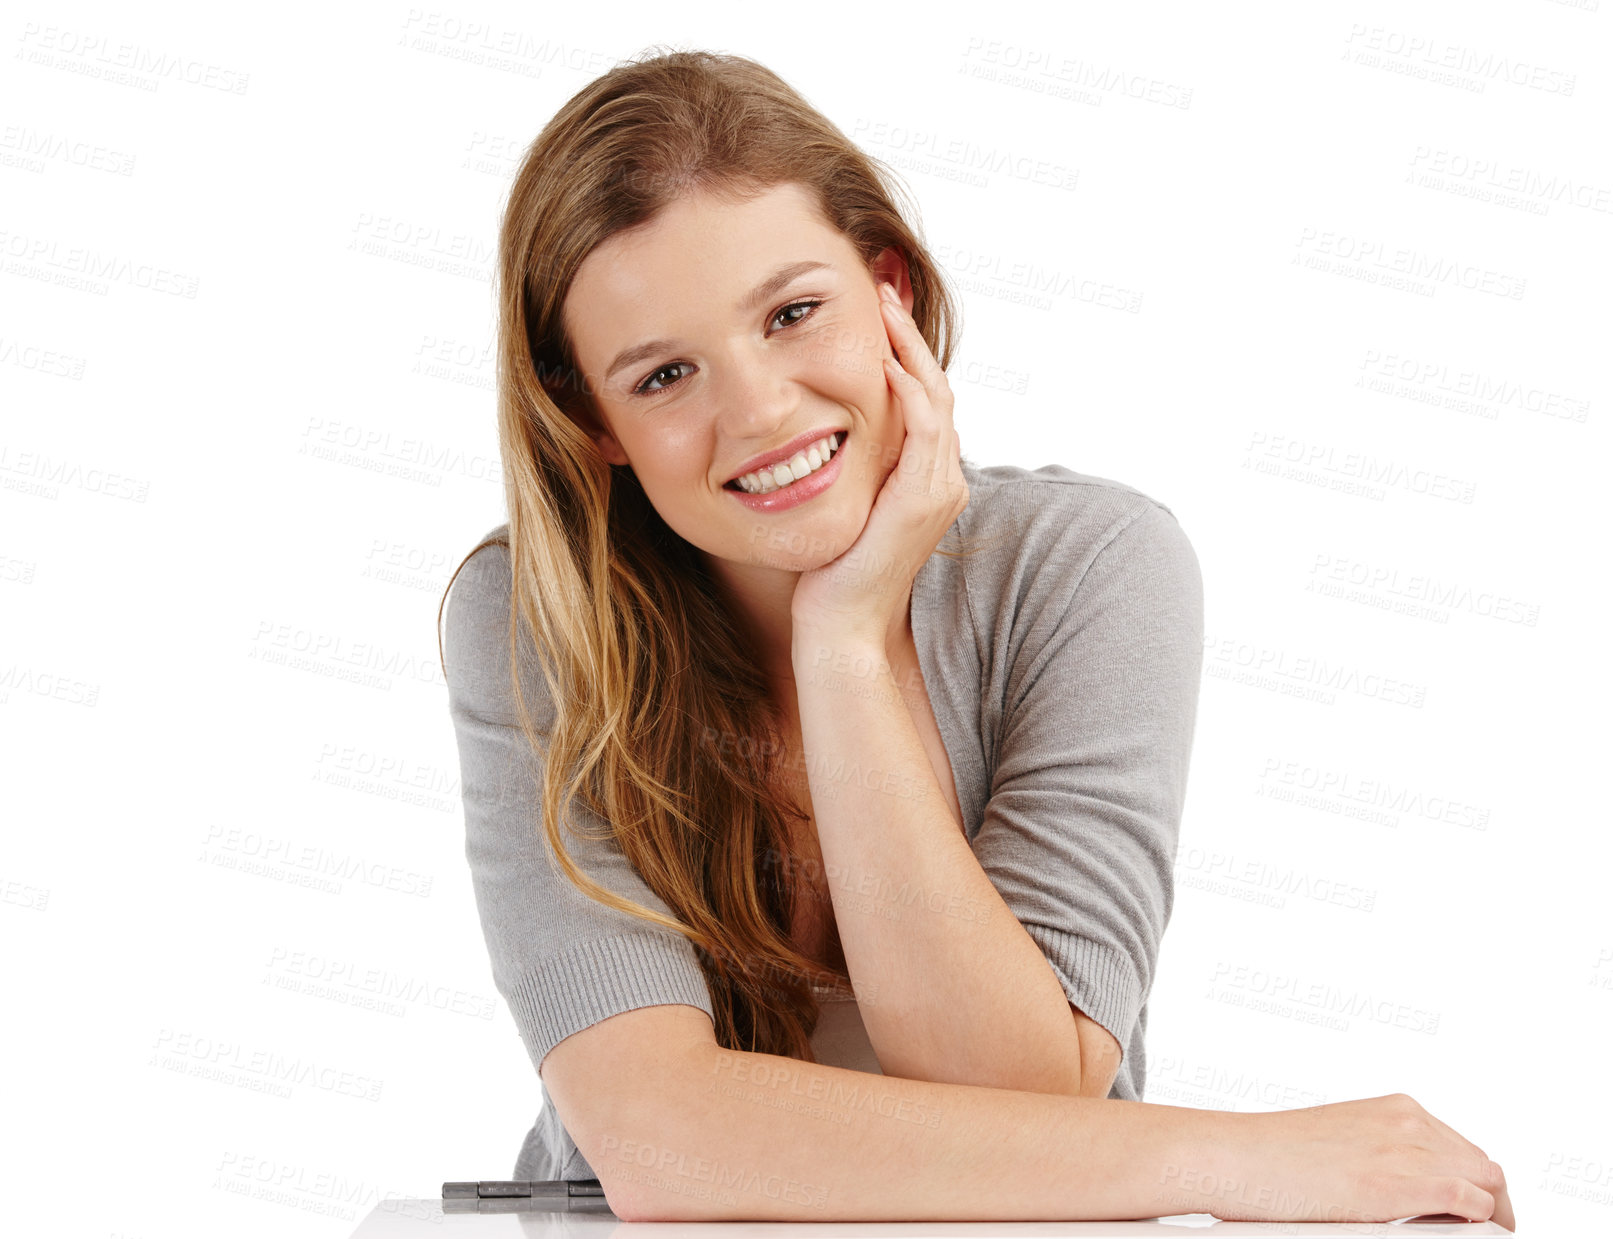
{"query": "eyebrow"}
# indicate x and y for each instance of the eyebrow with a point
(764, 290)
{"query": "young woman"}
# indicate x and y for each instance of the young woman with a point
(867, 840)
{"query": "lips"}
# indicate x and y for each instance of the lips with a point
(782, 453)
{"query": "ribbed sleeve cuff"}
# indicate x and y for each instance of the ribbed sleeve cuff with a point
(1101, 981)
(596, 980)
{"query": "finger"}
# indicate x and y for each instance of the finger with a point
(931, 416)
(1477, 1166)
(916, 359)
(915, 355)
(1482, 1180)
(918, 410)
(1503, 1215)
(935, 418)
(927, 451)
(920, 444)
(1440, 1198)
(1473, 1203)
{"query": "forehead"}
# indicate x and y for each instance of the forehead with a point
(693, 262)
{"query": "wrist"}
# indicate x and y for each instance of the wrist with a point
(1218, 1170)
(883, 634)
(825, 646)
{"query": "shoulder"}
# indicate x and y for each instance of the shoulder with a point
(479, 593)
(1047, 527)
(476, 627)
(483, 575)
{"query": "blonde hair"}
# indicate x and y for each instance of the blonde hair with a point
(647, 670)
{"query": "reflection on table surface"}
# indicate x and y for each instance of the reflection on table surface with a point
(415, 1219)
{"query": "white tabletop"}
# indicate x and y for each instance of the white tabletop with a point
(415, 1219)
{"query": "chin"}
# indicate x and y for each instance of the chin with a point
(795, 551)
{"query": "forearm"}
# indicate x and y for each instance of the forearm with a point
(951, 987)
(739, 1136)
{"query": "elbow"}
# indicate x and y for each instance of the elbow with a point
(1048, 1076)
(615, 1158)
(1068, 1086)
(639, 1145)
(1084, 1076)
(625, 1204)
(619, 1205)
(638, 1176)
(1099, 1088)
(1098, 1078)
(632, 1193)
(1073, 1085)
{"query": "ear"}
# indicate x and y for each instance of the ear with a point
(596, 429)
(609, 448)
(892, 267)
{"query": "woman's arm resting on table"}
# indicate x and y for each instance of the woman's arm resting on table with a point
(679, 1129)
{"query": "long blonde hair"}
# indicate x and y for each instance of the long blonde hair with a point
(644, 662)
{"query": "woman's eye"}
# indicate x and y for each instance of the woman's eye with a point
(795, 305)
(647, 387)
(644, 388)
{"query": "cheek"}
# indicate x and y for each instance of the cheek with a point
(831, 330)
(679, 452)
(851, 349)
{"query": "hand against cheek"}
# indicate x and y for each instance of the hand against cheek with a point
(863, 593)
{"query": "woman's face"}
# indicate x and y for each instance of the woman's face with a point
(723, 364)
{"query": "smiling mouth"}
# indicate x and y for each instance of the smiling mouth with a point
(765, 481)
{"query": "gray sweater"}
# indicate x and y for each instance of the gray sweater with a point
(1063, 668)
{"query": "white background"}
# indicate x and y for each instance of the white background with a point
(246, 380)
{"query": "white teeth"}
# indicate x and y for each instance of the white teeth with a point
(797, 467)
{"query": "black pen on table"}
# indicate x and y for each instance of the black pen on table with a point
(509, 1195)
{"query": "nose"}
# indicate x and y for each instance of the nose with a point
(757, 394)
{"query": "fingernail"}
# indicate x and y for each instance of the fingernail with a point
(888, 291)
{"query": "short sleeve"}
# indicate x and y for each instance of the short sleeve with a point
(1080, 832)
(561, 960)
